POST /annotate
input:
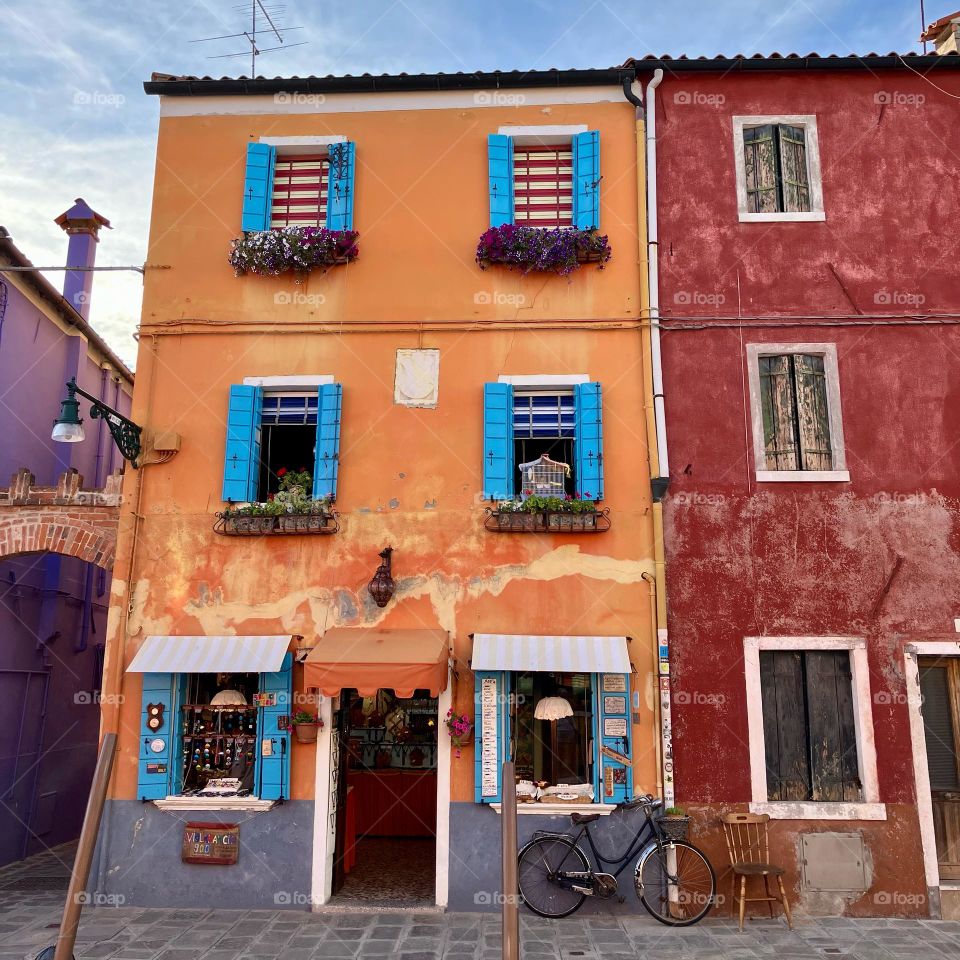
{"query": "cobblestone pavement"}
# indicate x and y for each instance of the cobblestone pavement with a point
(28, 922)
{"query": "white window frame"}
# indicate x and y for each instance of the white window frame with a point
(542, 134)
(870, 808)
(814, 177)
(828, 351)
(303, 146)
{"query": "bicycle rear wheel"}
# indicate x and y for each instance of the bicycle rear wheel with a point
(676, 886)
(545, 889)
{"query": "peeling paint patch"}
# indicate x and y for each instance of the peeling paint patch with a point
(346, 606)
(394, 503)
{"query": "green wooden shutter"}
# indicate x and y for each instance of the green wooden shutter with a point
(586, 180)
(760, 168)
(835, 773)
(153, 776)
(326, 464)
(779, 414)
(813, 418)
(784, 725)
(500, 178)
(241, 463)
(273, 773)
(498, 468)
(258, 187)
(588, 440)
(489, 687)
(794, 182)
(613, 712)
(340, 186)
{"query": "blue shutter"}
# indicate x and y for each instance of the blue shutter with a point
(500, 171)
(500, 700)
(340, 186)
(258, 187)
(153, 776)
(241, 463)
(588, 441)
(497, 441)
(619, 704)
(273, 775)
(586, 180)
(326, 457)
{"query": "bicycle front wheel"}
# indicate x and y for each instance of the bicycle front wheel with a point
(545, 866)
(675, 882)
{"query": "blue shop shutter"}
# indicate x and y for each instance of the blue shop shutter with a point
(497, 441)
(490, 795)
(153, 776)
(274, 771)
(241, 464)
(340, 187)
(586, 180)
(500, 171)
(588, 441)
(619, 704)
(258, 187)
(326, 462)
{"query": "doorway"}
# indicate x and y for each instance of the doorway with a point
(385, 781)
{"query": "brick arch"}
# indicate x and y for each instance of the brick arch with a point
(64, 519)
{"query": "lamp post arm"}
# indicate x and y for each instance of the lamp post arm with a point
(126, 434)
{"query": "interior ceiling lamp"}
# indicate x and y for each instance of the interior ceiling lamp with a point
(552, 708)
(382, 586)
(68, 427)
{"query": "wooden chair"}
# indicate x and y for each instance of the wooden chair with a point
(749, 848)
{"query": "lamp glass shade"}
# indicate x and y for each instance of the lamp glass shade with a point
(552, 708)
(66, 432)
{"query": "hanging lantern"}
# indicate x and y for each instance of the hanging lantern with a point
(381, 587)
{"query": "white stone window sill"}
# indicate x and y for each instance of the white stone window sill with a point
(251, 804)
(803, 476)
(798, 217)
(811, 810)
(604, 809)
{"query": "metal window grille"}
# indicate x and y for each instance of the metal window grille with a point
(543, 415)
(775, 162)
(289, 409)
(543, 185)
(299, 192)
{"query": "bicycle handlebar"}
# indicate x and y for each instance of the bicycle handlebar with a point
(646, 800)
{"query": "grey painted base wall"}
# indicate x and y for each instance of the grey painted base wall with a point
(138, 858)
(475, 865)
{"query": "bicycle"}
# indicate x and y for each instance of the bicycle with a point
(673, 879)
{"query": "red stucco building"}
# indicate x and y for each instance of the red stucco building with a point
(809, 300)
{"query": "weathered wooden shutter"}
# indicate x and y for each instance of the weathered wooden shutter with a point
(273, 775)
(784, 725)
(586, 180)
(813, 418)
(497, 441)
(794, 182)
(340, 188)
(760, 167)
(489, 704)
(258, 187)
(835, 773)
(938, 728)
(588, 440)
(779, 414)
(153, 775)
(241, 464)
(500, 178)
(326, 463)
(615, 779)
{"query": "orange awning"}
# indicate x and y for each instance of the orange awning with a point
(370, 660)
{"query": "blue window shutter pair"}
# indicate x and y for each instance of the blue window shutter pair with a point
(153, 774)
(497, 441)
(500, 698)
(588, 440)
(273, 774)
(500, 177)
(619, 709)
(258, 186)
(241, 465)
(586, 180)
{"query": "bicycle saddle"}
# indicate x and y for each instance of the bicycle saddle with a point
(581, 818)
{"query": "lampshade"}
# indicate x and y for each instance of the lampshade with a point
(67, 432)
(68, 427)
(552, 708)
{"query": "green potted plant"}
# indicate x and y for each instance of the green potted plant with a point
(306, 726)
(675, 823)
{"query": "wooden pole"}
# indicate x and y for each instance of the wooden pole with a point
(511, 890)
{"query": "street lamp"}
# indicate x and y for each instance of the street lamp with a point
(68, 427)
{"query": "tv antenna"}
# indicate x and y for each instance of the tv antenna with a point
(264, 21)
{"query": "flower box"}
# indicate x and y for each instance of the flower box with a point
(560, 250)
(232, 525)
(270, 253)
(546, 521)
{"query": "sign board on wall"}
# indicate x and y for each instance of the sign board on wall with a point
(614, 683)
(210, 843)
(488, 734)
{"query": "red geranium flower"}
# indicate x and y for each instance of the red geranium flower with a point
(282, 472)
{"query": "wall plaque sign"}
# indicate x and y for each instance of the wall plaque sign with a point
(210, 843)
(615, 726)
(614, 704)
(614, 683)
(488, 733)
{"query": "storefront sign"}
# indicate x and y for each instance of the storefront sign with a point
(612, 754)
(614, 704)
(607, 780)
(614, 683)
(210, 843)
(488, 733)
(615, 727)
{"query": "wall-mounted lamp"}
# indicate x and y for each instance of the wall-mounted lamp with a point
(381, 587)
(68, 427)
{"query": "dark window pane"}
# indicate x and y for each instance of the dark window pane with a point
(938, 728)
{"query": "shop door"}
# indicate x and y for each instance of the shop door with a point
(940, 690)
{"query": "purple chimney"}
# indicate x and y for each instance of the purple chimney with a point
(81, 224)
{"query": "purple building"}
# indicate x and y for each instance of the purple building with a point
(53, 609)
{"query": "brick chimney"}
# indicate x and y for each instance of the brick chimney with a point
(82, 225)
(944, 34)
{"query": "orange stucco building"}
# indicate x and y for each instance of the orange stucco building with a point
(404, 340)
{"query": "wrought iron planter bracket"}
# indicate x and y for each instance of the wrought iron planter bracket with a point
(546, 521)
(303, 524)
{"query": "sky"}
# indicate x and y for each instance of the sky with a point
(77, 123)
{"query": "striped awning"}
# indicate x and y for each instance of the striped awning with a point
(210, 655)
(532, 654)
